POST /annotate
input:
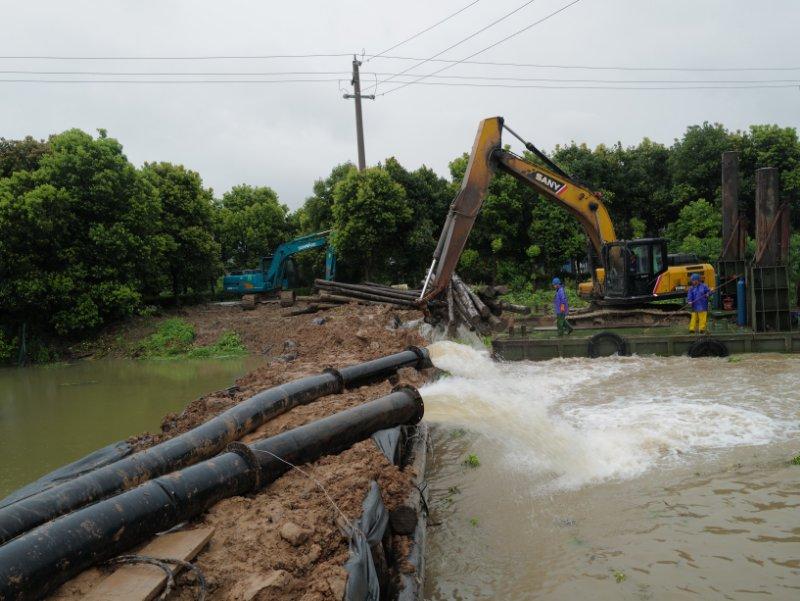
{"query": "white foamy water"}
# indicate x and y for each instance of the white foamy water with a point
(579, 421)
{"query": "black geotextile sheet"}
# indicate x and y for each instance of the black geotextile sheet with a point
(388, 441)
(362, 578)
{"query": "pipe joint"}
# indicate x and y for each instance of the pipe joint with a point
(249, 457)
(412, 392)
(423, 355)
(339, 378)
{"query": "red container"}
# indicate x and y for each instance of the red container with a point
(727, 303)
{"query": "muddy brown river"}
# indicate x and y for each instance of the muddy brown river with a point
(619, 478)
(53, 414)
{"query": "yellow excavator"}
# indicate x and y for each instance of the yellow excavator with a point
(629, 273)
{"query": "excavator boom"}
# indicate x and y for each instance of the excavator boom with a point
(488, 156)
(631, 271)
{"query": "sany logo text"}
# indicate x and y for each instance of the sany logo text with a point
(554, 185)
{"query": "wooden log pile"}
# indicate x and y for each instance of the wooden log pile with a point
(375, 293)
(478, 310)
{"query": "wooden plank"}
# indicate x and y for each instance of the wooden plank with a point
(143, 582)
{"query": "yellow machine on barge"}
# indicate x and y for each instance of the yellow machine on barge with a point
(624, 272)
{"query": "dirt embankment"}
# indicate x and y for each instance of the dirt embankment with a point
(284, 542)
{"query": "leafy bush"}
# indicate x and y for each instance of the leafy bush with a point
(172, 338)
(542, 298)
(8, 347)
(228, 345)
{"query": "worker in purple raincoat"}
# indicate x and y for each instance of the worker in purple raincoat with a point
(697, 299)
(561, 308)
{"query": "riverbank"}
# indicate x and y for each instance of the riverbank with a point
(251, 555)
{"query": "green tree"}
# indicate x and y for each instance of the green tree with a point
(370, 212)
(642, 190)
(556, 233)
(500, 237)
(698, 230)
(694, 163)
(251, 222)
(317, 212)
(77, 237)
(21, 155)
(770, 146)
(633, 182)
(191, 255)
(429, 197)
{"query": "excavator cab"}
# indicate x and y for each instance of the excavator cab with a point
(632, 267)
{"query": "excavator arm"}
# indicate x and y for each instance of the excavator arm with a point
(271, 274)
(275, 272)
(489, 156)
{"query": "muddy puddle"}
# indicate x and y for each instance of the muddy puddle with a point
(620, 478)
(54, 414)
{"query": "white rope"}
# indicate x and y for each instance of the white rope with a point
(349, 524)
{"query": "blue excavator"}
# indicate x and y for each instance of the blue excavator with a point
(273, 271)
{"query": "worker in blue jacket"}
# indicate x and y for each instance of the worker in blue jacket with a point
(697, 299)
(561, 308)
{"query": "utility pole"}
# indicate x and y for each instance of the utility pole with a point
(356, 82)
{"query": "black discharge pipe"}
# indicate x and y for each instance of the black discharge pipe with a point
(197, 444)
(35, 563)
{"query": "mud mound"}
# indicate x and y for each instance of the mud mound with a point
(285, 542)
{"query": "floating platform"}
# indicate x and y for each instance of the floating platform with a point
(543, 348)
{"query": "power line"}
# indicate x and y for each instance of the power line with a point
(172, 58)
(174, 73)
(469, 37)
(388, 74)
(613, 81)
(586, 87)
(417, 83)
(168, 81)
(489, 47)
(586, 67)
(416, 35)
(394, 57)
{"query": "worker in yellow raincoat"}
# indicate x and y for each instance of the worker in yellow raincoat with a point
(697, 299)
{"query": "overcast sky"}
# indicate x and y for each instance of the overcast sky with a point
(286, 135)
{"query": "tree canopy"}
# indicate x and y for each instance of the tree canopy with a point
(190, 254)
(251, 222)
(370, 211)
(78, 236)
(87, 238)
